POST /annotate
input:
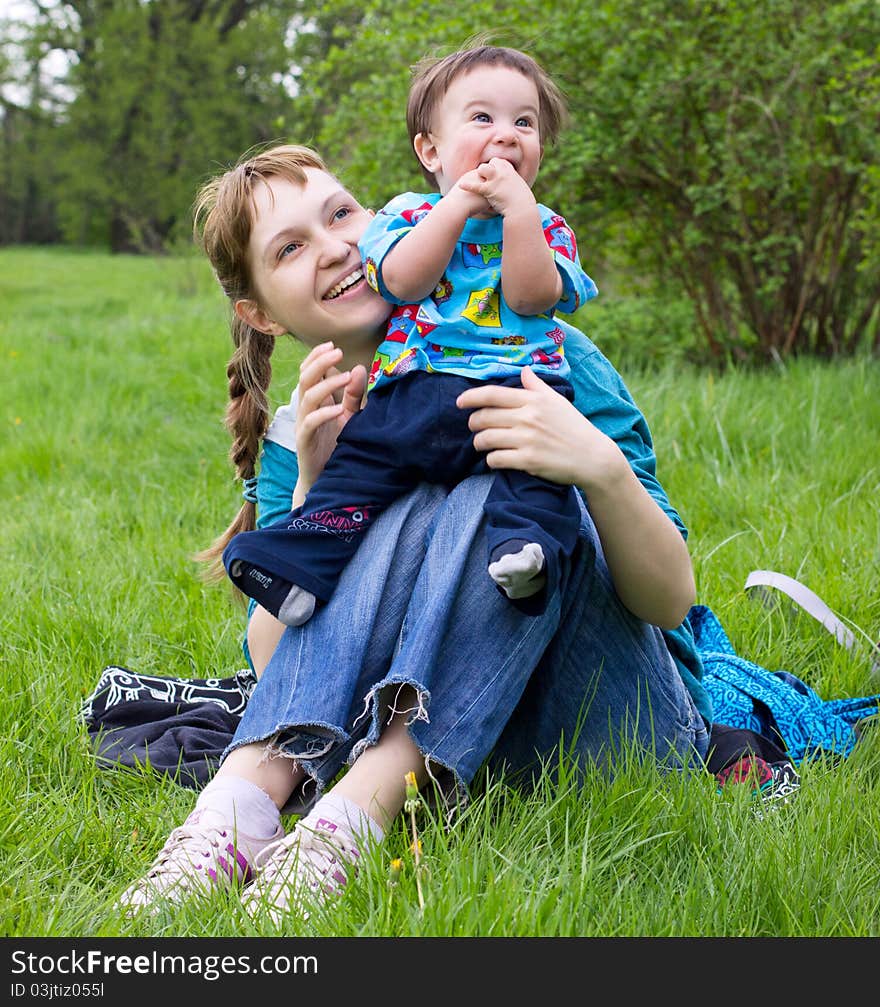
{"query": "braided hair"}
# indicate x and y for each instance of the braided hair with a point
(223, 217)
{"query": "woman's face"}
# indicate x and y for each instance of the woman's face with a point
(305, 267)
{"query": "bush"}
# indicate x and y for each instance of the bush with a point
(736, 146)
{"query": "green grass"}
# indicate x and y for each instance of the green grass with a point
(114, 473)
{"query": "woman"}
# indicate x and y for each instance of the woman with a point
(417, 664)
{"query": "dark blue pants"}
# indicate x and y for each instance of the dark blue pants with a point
(410, 431)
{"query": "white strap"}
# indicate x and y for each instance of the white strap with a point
(810, 602)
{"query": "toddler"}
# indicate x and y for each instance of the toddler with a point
(476, 271)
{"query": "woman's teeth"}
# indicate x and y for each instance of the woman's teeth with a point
(343, 285)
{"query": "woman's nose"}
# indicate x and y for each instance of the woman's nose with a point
(334, 249)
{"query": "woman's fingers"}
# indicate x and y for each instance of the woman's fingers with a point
(325, 389)
(487, 395)
(353, 392)
(318, 417)
(317, 363)
(483, 419)
(495, 437)
(507, 459)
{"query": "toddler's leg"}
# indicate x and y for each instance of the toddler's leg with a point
(294, 564)
(518, 568)
(533, 528)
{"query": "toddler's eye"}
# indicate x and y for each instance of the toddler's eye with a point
(342, 213)
(482, 117)
(288, 249)
(524, 122)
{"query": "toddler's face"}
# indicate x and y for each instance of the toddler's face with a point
(491, 111)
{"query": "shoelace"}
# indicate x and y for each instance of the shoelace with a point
(183, 840)
(311, 846)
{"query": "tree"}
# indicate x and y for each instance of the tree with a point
(162, 90)
(726, 148)
(28, 101)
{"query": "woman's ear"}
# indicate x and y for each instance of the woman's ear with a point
(426, 152)
(252, 314)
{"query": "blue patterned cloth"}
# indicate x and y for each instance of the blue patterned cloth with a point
(774, 704)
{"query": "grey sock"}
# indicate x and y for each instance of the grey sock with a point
(297, 607)
(520, 574)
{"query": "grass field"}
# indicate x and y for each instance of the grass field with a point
(113, 473)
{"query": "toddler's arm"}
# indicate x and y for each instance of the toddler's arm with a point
(414, 266)
(529, 277)
(540, 269)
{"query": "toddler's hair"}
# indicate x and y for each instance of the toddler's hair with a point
(432, 77)
(223, 216)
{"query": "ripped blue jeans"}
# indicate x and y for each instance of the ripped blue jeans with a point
(416, 607)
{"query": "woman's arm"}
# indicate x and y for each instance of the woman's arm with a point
(535, 429)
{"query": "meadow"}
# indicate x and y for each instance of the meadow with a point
(114, 472)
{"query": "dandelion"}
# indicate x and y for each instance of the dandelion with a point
(411, 805)
(394, 869)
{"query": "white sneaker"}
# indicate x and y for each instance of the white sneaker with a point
(314, 861)
(203, 854)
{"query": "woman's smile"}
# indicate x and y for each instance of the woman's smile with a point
(349, 284)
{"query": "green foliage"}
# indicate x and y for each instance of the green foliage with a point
(727, 149)
(741, 141)
(163, 93)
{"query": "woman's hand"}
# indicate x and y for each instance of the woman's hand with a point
(328, 398)
(537, 430)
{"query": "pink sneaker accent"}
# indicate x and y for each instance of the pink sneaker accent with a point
(203, 854)
(312, 863)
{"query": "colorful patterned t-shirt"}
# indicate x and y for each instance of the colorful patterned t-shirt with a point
(465, 326)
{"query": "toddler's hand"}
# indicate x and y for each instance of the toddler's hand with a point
(502, 188)
(467, 191)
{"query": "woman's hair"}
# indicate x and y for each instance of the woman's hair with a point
(223, 216)
(432, 77)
